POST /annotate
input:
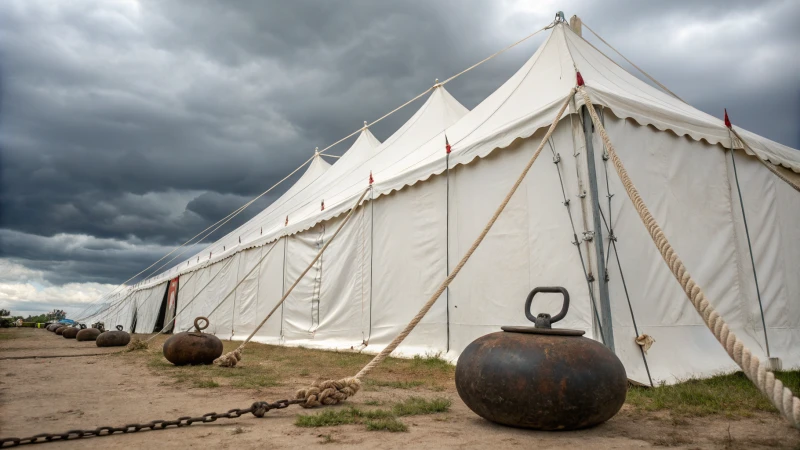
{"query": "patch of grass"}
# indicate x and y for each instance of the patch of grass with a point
(373, 403)
(415, 406)
(433, 361)
(732, 395)
(386, 424)
(394, 384)
(266, 366)
(376, 419)
(209, 383)
(328, 418)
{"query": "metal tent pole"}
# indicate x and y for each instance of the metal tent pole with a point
(605, 303)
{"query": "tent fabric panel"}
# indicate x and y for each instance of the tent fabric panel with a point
(270, 291)
(529, 245)
(344, 287)
(202, 301)
(245, 308)
(685, 185)
(218, 305)
(147, 307)
(299, 320)
(409, 251)
(773, 216)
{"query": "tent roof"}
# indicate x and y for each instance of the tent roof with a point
(525, 103)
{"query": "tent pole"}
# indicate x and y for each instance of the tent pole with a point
(605, 304)
(283, 281)
(371, 257)
(447, 242)
(750, 247)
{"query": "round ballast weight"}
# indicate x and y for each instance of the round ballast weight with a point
(193, 347)
(61, 329)
(88, 334)
(116, 338)
(539, 377)
(70, 332)
(52, 327)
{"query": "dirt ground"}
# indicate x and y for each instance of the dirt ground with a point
(60, 394)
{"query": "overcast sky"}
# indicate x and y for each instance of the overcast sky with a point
(127, 126)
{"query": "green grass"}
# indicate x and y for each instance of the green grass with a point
(415, 406)
(206, 383)
(387, 424)
(394, 384)
(732, 395)
(376, 419)
(266, 366)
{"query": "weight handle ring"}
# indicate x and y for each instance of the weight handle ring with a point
(197, 321)
(547, 319)
(119, 327)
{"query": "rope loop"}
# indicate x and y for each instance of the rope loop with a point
(328, 392)
(229, 359)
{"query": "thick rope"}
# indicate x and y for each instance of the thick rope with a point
(766, 164)
(781, 397)
(410, 327)
(230, 359)
(631, 63)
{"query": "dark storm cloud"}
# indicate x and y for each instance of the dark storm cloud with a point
(127, 127)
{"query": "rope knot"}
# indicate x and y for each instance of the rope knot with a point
(328, 392)
(260, 408)
(229, 359)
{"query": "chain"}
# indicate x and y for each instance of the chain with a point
(258, 409)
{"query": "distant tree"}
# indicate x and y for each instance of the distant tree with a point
(4, 312)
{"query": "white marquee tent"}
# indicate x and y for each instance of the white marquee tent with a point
(426, 207)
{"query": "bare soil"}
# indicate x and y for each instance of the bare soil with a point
(60, 394)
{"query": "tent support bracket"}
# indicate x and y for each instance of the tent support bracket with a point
(605, 304)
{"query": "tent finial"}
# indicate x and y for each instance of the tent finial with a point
(316, 151)
(365, 125)
(436, 83)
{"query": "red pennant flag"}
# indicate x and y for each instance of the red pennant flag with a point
(287, 221)
(322, 206)
(580, 79)
(727, 121)
(446, 145)
(371, 180)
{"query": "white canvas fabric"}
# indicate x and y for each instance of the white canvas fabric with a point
(425, 209)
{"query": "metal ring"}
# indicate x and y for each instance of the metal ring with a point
(197, 324)
(119, 327)
(549, 290)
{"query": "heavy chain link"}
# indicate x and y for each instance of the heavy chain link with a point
(258, 409)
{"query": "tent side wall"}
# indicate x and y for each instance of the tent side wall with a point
(408, 265)
(685, 184)
(772, 210)
(530, 245)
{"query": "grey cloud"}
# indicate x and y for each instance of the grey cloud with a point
(126, 128)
